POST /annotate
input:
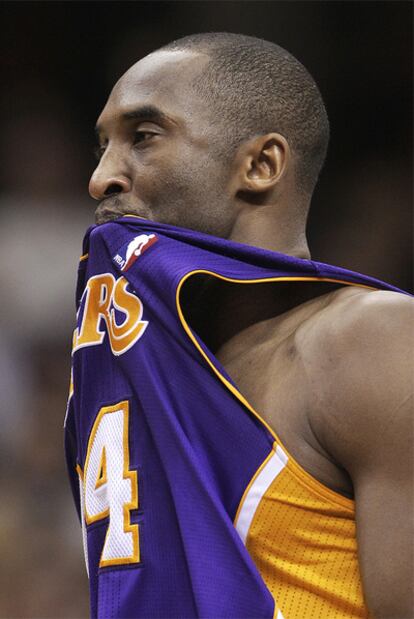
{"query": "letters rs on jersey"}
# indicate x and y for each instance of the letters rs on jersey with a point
(190, 505)
(103, 300)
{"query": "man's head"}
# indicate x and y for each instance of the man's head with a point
(208, 130)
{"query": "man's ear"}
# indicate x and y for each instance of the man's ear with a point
(263, 161)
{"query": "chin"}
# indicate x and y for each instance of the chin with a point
(103, 218)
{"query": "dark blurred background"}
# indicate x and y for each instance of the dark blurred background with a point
(58, 63)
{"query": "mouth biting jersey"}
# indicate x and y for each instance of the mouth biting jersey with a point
(112, 208)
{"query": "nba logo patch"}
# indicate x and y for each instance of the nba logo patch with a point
(135, 248)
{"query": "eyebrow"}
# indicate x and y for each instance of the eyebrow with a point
(150, 113)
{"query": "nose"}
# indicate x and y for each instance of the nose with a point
(108, 178)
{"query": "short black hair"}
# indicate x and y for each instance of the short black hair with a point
(255, 87)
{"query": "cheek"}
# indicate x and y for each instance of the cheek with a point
(186, 189)
(199, 176)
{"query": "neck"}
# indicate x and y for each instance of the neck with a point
(279, 227)
(220, 310)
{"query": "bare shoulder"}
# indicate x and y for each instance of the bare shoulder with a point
(352, 310)
(362, 324)
(358, 359)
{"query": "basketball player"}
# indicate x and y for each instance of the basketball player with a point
(241, 419)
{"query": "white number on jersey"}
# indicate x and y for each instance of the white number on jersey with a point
(109, 488)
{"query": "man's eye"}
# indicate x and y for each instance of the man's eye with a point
(143, 136)
(98, 151)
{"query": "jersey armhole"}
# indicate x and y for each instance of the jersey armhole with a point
(302, 476)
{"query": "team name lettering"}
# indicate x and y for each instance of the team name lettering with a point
(103, 295)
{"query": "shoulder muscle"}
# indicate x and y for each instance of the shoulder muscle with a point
(358, 364)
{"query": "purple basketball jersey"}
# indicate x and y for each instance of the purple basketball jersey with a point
(160, 446)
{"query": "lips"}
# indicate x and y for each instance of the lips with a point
(112, 208)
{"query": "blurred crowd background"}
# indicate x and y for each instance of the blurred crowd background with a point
(58, 63)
